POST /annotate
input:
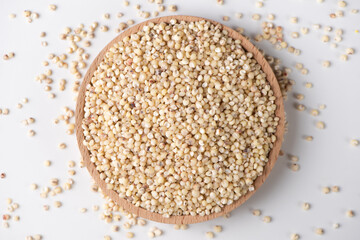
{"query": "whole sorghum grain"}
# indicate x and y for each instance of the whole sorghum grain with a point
(176, 127)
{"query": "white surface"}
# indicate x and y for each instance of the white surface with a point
(328, 160)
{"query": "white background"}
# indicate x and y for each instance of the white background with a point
(328, 160)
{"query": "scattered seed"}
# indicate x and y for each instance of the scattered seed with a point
(350, 213)
(294, 236)
(151, 234)
(349, 51)
(342, 4)
(267, 219)
(47, 163)
(335, 188)
(217, 228)
(295, 167)
(52, 7)
(336, 225)
(209, 235)
(314, 112)
(326, 64)
(184, 226)
(256, 212)
(173, 8)
(306, 206)
(326, 190)
(259, 4)
(300, 107)
(309, 138)
(320, 125)
(304, 30)
(256, 17)
(31, 133)
(226, 18)
(33, 186)
(354, 142)
(294, 20)
(62, 146)
(129, 235)
(308, 85)
(319, 231)
(57, 204)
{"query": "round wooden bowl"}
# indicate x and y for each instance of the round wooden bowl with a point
(273, 155)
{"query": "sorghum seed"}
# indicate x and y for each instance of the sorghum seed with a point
(308, 85)
(300, 107)
(294, 236)
(47, 163)
(344, 57)
(62, 146)
(349, 51)
(33, 186)
(256, 17)
(320, 125)
(306, 206)
(314, 112)
(326, 64)
(293, 19)
(336, 225)
(350, 213)
(319, 231)
(158, 232)
(209, 235)
(335, 188)
(309, 138)
(104, 28)
(217, 228)
(271, 17)
(295, 167)
(299, 96)
(325, 38)
(342, 4)
(256, 212)
(184, 226)
(52, 7)
(172, 8)
(37, 237)
(354, 142)
(31, 133)
(304, 30)
(295, 35)
(267, 219)
(226, 18)
(57, 204)
(129, 235)
(326, 190)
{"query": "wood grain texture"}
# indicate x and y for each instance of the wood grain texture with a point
(273, 155)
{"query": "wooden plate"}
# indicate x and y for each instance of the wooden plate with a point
(273, 155)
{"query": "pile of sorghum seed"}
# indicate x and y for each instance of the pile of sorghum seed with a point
(179, 118)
